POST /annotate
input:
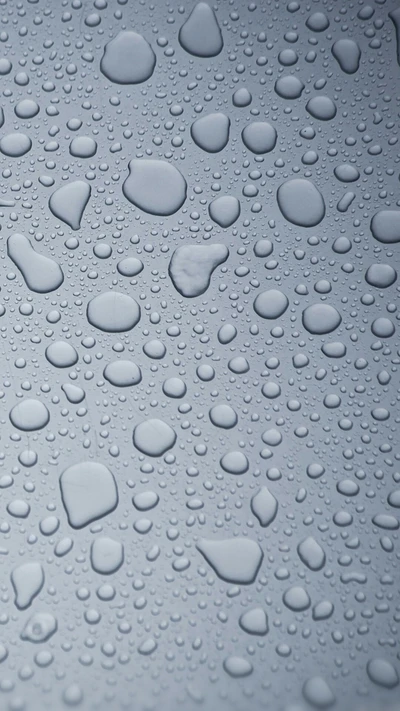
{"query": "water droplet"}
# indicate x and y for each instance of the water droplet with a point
(155, 186)
(128, 59)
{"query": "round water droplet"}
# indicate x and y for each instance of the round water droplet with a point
(301, 202)
(30, 415)
(15, 145)
(321, 318)
(259, 137)
(113, 312)
(271, 304)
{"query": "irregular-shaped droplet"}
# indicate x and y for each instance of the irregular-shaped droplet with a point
(122, 373)
(155, 186)
(113, 312)
(68, 202)
(39, 628)
(128, 59)
(259, 137)
(74, 393)
(300, 202)
(27, 581)
(385, 226)
(40, 273)
(311, 553)
(235, 560)
(348, 54)
(106, 555)
(211, 133)
(382, 673)
(192, 265)
(254, 621)
(271, 304)
(30, 415)
(318, 693)
(321, 318)
(153, 437)
(89, 492)
(15, 145)
(200, 35)
(224, 210)
(264, 506)
(61, 354)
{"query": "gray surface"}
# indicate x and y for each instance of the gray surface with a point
(167, 637)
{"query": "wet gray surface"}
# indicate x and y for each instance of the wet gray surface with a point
(200, 488)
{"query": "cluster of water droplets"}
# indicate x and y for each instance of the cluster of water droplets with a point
(199, 448)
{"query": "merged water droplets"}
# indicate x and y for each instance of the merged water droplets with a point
(191, 267)
(347, 53)
(41, 273)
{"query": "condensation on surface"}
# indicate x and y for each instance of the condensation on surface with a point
(200, 490)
